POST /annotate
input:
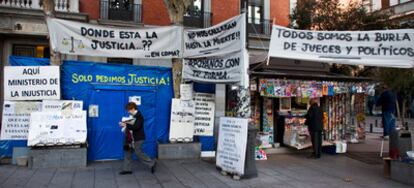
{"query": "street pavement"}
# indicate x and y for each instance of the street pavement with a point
(282, 170)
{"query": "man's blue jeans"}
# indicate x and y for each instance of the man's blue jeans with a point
(388, 122)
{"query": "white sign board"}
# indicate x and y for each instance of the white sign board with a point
(383, 48)
(62, 105)
(31, 82)
(16, 119)
(77, 38)
(218, 69)
(93, 110)
(135, 99)
(204, 114)
(56, 128)
(220, 39)
(232, 142)
(186, 92)
(182, 120)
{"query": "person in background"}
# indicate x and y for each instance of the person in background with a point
(387, 101)
(135, 136)
(314, 121)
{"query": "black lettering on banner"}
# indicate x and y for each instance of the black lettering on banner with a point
(97, 33)
(31, 71)
(213, 31)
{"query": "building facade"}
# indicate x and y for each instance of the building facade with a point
(23, 31)
(400, 10)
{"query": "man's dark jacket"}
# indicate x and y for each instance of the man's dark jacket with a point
(314, 118)
(138, 127)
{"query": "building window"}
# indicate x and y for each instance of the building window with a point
(125, 10)
(39, 51)
(255, 14)
(120, 61)
(196, 16)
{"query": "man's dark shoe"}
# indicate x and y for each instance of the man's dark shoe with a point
(125, 172)
(312, 156)
(153, 167)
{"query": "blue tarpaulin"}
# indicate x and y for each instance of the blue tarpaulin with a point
(109, 86)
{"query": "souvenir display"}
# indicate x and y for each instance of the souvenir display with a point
(340, 101)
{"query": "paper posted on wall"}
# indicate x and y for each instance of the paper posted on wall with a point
(57, 128)
(182, 120)
(16, 119)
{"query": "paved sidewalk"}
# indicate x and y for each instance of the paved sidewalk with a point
(284, 171)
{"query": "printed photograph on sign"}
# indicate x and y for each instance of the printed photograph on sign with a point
(93, 111)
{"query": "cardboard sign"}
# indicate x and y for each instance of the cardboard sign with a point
(62, 105)
(57, 128)
(232, 142)
(31, 82)
(16, 119)
(182, 120)
(204, 114)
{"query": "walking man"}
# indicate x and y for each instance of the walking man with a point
(314, 121)
(135, 136)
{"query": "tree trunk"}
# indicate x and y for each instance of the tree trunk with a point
(48, 7)
(176, 10)
(177, 67)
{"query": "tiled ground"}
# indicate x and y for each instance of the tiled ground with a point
(288, 170)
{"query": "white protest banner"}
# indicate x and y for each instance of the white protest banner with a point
(56, 128)
(204, 114)
(77, 38)
(218, 69)
(31, 82)
(16, 119)
(232, 142)
(182, 120)
(225, 37)
(62, 105)
(383, 48)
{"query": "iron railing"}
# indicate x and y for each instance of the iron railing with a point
(124, 10)
(259, 26)
(198, 19)
(60, 5)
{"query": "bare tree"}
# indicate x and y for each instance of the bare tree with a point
(48, 7)
(176, 10)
